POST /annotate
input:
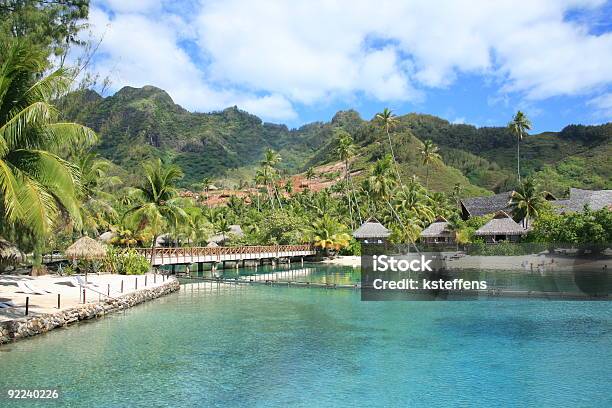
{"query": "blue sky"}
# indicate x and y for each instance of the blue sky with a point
(296, 62)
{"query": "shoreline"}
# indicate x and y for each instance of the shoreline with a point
(517, 263)
(17, 328)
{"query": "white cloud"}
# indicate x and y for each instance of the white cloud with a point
(268, 56)
(602, 105)
(139, 51)
(132, 6)
(309, 49)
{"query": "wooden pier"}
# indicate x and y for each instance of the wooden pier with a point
(190, 255)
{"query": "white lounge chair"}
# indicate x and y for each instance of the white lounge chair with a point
(24, 288)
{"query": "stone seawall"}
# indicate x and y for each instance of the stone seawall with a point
(31, 326)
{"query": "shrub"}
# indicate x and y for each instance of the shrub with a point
(126, 262)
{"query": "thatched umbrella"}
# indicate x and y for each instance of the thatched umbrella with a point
(9, 253)
(86, 248)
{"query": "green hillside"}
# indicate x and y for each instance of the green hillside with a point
(135, 124)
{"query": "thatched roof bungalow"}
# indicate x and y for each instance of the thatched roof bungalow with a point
(220, 239)
(578, 198)
(478, 206)
(438, 233)
(372, 232)
(86, 248)
(501, 228)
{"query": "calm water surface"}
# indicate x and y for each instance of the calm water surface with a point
(275, 346)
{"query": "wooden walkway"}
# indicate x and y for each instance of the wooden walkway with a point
(189, 255)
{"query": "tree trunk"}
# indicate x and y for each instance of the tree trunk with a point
(153, 247)
(399, 179)
(518, 158)
(348, 192)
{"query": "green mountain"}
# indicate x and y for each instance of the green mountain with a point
(139, 123)
(136, 124)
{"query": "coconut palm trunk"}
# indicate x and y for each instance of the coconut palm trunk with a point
(518, 158)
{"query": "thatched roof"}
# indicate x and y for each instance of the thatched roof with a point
(595, 199)
(477, 206)
(501, 224)
(86, 248)
(234, 231)
(9, 253)
(437, 229)
(371, 229)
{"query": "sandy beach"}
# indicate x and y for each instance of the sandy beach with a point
(344, 260)
(43, 291)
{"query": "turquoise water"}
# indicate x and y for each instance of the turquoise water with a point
(277, 346)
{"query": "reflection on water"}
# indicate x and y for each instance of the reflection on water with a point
(499, 283)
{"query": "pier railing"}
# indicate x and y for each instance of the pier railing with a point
(161, 255)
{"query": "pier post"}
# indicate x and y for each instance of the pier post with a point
(107, 291)
(302, 259)
(145, 280)
(27, 305)
(58, 301)
(121, 285)
(136, 284)
(84, 301)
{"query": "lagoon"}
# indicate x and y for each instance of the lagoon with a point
(279, 346)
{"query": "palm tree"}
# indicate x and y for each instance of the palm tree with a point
(456, 194)
(269, 163)
(223, 226)
(527, 202)
(206, 183)
(96, 208)
(329, 235)
(36, 184)
(388, 120)
(264, 177)
(310, 174)
(430, 155)
(345, 150)
(519, 126)
(157, 198)
(382, 181)
(414, 205)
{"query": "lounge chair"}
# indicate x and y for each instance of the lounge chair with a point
(34, 288)
(28, 290)
(6, 304)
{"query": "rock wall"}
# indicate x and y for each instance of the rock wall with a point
(31, 326)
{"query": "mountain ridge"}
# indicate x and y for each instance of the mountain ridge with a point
(139, 123)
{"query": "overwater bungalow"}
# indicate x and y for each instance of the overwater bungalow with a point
(501, 228)
(438, 233)
(372, 232)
